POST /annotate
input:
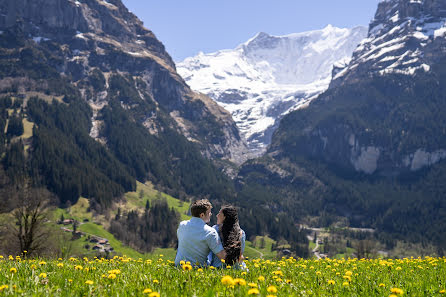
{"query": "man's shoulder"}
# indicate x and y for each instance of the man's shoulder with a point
(209, 229)
(184, 223)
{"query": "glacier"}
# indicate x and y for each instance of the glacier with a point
(268, 76)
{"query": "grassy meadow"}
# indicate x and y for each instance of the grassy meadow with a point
(123, 276)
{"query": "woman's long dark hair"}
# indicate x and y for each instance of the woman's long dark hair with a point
(230, 234)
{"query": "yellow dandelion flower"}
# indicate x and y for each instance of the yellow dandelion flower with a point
(271, 289)
(252, 285)
(199, 269)
(111, 276)
(253, 291)
(147, 291)
(13, 270)
(318, 273)
(345, 284)
(331, 282)
(78, 267)
(239, 281)
(271, 296)
(227, 280)
(70, 280)
(42, 275)
(244, 273)
(396, 291)
(154, 294)
(382, 285)
(187, 267)
(211, 267)
(442, 291)
(348, 273)
(33, 267)
(59, 264)
(392, 295)
(223, 261)
(72, 259)
(42, 263)
(261, 278)
(155, 281)
(182, 262)
(89, 282)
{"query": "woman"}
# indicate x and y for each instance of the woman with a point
(232, 237)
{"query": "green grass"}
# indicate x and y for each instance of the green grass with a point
(27, 129)
(120, 248)
(135, 201)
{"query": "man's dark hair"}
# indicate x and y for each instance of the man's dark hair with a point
(200, 206)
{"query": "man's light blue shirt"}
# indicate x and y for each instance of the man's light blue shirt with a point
(195, 241)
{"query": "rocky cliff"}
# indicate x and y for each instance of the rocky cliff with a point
(96, 35)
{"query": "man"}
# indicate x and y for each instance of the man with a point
(196, 239)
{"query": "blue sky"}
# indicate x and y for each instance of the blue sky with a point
(187, 27)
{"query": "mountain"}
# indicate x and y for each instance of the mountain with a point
(104, 36)
(370, 150)
(396, 126)
(404, 36)
(268, 76)
(102, 105)
(91, 103)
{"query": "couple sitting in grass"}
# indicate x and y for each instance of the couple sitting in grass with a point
(217, 246)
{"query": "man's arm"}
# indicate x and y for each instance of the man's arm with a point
(222, 255)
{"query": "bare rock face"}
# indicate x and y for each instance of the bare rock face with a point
(100, 35)
(404, 37)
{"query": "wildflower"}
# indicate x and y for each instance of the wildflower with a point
(227, 280)
(42, 275)
(271, 289)
(261, 278)
(72, 259)
(182, 262)
(252, 285)
(382, 285)
(154, 294)
(396, 291)
(13, 270)
(33, 267)
(442, 291)
(89, 282)
(199, 269)
(42, 263)
(211, 267)
(244, 273)
(111, 276)
(393, 295)
(187, 267)
(318, 273)
(239, 281)
(331, 282)
(345, 284)
(147, 291)
(271, 296)
(253, 291)
(347, 277)
(78, 267)
(348, 273)
(155, 281)
(59, 264)
(70, 280)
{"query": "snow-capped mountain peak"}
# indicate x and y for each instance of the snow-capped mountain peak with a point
(404, 37)
(267, 76)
